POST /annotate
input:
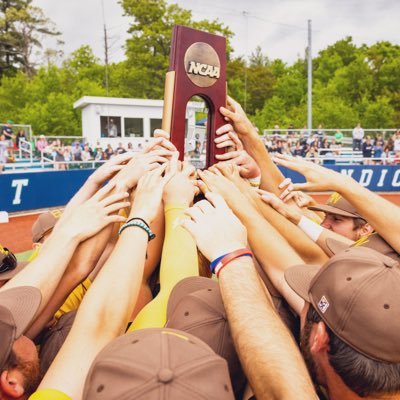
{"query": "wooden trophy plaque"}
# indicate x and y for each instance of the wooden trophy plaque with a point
(197, 68)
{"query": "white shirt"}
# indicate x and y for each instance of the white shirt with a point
(358, 133)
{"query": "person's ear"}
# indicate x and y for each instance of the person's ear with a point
(11, 383)
(366, 229)
(319, 339)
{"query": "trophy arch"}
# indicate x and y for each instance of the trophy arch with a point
(197, 68)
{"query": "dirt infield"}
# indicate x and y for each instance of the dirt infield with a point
(16, 234)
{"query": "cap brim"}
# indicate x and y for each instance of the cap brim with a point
(5, 276)
(23, 303)
(185, 287)
(336, 246)
(299, 278)
(333, 210)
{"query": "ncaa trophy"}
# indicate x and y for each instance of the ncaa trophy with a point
(197, 68)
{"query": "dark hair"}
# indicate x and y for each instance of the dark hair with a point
(358, 223)
(361, 374)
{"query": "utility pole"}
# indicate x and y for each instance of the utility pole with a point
(309, 81)
(246, 15)
(105, 47)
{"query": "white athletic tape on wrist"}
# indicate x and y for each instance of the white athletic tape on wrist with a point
(255, 182)
(310, 228)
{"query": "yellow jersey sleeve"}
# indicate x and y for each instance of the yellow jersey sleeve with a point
(49, 394)
(178, 261)
(74, 300)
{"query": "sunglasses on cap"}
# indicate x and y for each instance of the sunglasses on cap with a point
(9, 261)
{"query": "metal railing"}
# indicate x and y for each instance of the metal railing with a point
(55, 165)
(67, 140)
(25, 147)
(16, 127)
(328, 133)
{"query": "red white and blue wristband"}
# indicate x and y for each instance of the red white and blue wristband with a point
(219, 263)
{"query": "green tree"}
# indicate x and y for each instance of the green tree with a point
(148, 48)
(22, 28)
(378, 113)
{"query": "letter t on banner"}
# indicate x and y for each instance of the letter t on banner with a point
(197, 68)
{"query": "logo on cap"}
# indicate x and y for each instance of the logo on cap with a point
(323, 304)
(335, 197)
(56, 213)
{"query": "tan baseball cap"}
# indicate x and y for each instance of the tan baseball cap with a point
(44, 224)
(373, 241)
(337, 205)
(195, 305)
(356, 293)
(18, 307)
(158, 364)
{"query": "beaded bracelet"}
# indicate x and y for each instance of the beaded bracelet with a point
(140, 223)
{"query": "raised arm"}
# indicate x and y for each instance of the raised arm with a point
(272, 251)
(306, 227)
(271, 176)
(269, 356)
(106, 308)
(309, 251)
(179, 256)
(46, 270)
(383, 215)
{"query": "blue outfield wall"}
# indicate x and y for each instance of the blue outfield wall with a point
(35, 190)
(378, 178)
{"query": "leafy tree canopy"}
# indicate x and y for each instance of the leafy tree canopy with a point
(350, 83)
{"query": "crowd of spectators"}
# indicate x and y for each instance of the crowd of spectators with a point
(118, 300)
(319, 146)
(78, 151)
(322, 148)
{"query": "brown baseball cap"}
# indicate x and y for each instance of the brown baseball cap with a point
(158, 363)
(337, 205)
(195, 305)
(44, 224)
(373, 241)
(356, 293)
(18, 307)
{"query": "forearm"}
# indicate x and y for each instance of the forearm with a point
(178, 261)
(386, 222)
(271, 176)
(100, 319)
(179, 255)
(47, 269)
(307, 249)
(85, 261)
(268, 354)
(271, 249)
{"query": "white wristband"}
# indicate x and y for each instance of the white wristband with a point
(255, 182)
(310, 228)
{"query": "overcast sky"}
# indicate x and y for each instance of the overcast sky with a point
(278, 26)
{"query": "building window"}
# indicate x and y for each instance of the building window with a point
(133, 127)
(155, 123)
(110, 126)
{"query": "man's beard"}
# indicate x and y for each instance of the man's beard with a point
(305, 351)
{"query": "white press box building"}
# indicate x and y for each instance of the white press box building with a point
(120, 120)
